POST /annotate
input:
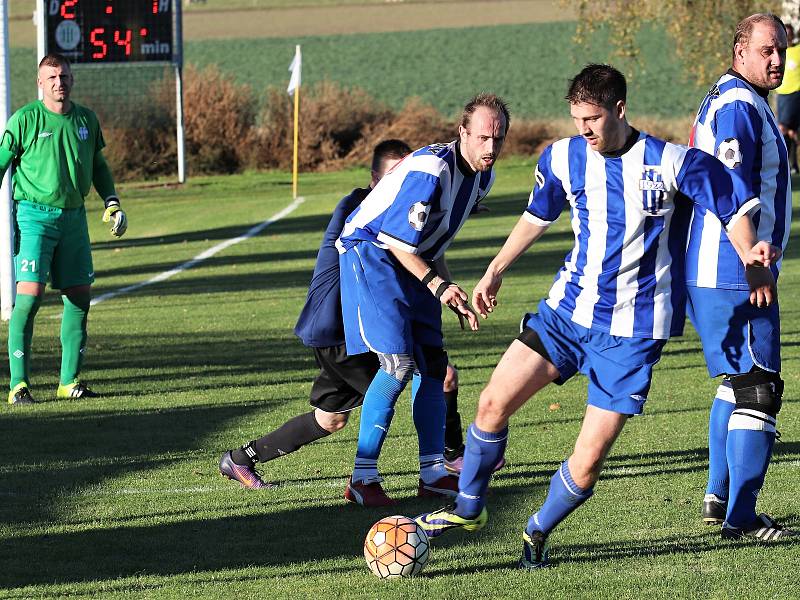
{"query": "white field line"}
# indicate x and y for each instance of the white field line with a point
(202, 256)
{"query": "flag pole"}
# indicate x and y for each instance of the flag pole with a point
(294, 90)
(296, 139)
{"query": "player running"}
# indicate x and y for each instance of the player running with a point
(618, 298)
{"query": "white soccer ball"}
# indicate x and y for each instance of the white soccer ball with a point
(396, 547)
(418, 215)
(729, 153)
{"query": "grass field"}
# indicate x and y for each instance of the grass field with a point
(119, 497)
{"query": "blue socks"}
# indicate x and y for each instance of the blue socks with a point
(563, 497)
(749, 449)
(482, 453)
(376, 416)
(429, 410)
(721, 411)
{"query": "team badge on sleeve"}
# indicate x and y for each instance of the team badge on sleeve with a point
(728, 152)
(418, 215)
(537, 175)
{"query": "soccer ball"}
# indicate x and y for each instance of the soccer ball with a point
(418, 215)
(729, 153)
(396, 547)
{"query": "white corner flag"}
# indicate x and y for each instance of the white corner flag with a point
(295, 69)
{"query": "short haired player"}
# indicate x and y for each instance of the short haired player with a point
(618, 298)
(56, 149)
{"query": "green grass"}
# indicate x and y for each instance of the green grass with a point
(119, 497)
(529, 65)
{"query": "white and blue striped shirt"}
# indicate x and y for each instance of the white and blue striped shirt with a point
(420, 205)
(629, 214)
(736, 124)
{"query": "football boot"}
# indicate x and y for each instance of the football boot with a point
(367, 494)
(76, 389)
(21, 395)
(534, 551)
(444, 487)
(764, 529)
(714, 509)
(437, 522)
(245, 475)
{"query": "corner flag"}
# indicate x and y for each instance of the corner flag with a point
(294, 90)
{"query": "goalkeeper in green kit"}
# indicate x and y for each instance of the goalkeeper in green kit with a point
(55, 147)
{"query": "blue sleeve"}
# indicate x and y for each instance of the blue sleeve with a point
(548, 197)
(343, 210)
(737, 142)
(706, 181)
(407, 216)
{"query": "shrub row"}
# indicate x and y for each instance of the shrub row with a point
(229, 128)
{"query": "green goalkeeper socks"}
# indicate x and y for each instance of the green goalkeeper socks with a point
(73, 336)
(20, 334)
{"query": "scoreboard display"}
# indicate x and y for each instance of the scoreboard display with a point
(111, 31)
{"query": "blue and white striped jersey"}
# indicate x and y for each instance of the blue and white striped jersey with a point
(629, 215)
(736, 125)
(420, 205)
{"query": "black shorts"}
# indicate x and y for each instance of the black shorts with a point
(789, 110)
(343, 380)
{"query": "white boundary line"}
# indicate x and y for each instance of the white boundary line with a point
(202, 256)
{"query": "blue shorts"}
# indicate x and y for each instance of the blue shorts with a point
(736, 335)
(385, 308)
(619, 369)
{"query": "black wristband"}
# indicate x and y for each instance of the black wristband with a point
(441, 289)
(429, 276)
(111, 201)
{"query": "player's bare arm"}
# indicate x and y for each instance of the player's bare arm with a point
(522, 237)
(452, 296)
(440, 266)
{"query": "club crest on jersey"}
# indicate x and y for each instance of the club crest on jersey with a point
(418, 215)
(537, 175)
(83, 133)
(653, 188)
(729, 153)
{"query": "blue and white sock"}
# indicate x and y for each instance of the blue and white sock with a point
(482, 453)
(429, 410)
(376, 416)
(721, 411)
(563, 497)
(751, 436)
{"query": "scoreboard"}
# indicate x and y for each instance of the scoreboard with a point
(112, 31)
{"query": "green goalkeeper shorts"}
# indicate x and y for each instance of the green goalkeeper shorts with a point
(52, 242)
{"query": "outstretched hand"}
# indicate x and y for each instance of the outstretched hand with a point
(455, 299)
(484, 296)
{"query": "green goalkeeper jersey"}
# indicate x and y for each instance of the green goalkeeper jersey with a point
(56, 157)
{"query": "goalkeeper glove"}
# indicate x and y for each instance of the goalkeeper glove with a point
(115, 215)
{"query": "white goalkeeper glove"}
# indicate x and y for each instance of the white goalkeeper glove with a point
(116, 216)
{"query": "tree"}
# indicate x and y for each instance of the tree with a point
(701, 30)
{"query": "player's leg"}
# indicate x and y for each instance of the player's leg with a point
(337, 390)
(37, 235)
(716, 498)
(520, 373)
(619, 372)
(429, 413)
(73, 274)
(453, 438)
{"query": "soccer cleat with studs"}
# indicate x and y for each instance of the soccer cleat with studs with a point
(369, 495)
(437, 522)
(444, 487)
(763, 529)
(714, 509)
(76, 389)
(534, 551)
(21, 395)
(244, 475)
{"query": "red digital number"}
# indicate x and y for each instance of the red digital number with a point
(155, 7)
(98, 43)
(124, 42)
(68, 5)
(109, 8)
